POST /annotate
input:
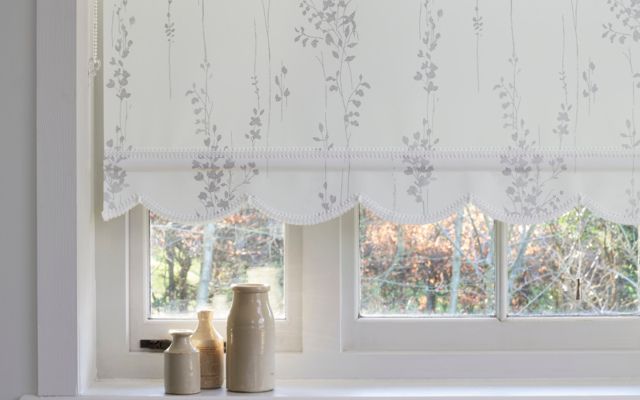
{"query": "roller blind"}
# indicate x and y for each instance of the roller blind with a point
(306, 108)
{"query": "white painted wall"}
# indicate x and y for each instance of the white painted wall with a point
(17, 198)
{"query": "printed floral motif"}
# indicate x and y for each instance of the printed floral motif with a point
(327, 199)
(527, 191)
(255, 119)
(214, 170)
(575, 4)
(563, 119)
(631, 141)
(170, 32)
(282, 96)
(590, 88)
(266, 18)
(478, 26)
(418, 165)
(260, 119)
(627, 24)
(332, 28)
(118, 83)
(346, 48)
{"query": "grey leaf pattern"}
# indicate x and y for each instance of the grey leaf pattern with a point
(478, 26)
(625, 30)
(418, 165)
(626, 26)
(327, 198)
(282, 96)
(214, 171)
(575, 4)
(631, 141)
(342, 36)
(257, 113)
(266, 17)
(118, 84)
(332, 28)
(590, 87)
(527, 190)
(563, 120)
(170, 32)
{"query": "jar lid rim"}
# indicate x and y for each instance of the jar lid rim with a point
(250, 287)
(205, 314)
(181, 332)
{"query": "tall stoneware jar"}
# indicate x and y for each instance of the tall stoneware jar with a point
(211, 346)
(181, 364)
(250, 340)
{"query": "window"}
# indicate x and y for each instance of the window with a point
(440, 269)
(466, 284)
(405, 283)
(177, 268)
(577, 264)
(463, 272)
(194, 266)
(336, 337)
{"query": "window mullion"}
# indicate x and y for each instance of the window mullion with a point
(502, 269)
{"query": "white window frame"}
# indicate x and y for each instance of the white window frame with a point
(500, 332)
(288, 330)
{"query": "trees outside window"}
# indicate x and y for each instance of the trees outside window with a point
(578, 264)
(193, 266)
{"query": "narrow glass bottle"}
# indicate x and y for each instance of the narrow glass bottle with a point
(211, 346)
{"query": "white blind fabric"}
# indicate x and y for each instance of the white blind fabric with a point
(305, 108)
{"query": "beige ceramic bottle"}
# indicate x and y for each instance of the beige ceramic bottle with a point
(181, 364)
(211, 346)
(250, 340)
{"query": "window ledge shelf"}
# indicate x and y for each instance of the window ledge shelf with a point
(378, 389)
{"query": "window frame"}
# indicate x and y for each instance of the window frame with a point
(324, 355)
(500, 332)
(65, 208)
(288, 330)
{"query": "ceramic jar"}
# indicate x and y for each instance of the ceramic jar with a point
(250, 340)
(210, 344)
(181, 364)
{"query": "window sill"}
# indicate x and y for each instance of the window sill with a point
(379, 389)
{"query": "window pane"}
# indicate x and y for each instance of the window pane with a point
(576, 264)
(439, 269)
(195, 265)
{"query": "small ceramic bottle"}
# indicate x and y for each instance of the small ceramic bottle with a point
(250, 340)
(181, 364)
(210, 344)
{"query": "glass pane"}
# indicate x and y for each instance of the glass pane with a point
(577, 264)
(194, 265)
(439, 269)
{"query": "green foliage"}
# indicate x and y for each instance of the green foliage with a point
(577, 264)
(242, 247)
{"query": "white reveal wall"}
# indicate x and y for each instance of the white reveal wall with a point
(303, 109)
